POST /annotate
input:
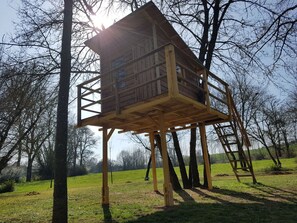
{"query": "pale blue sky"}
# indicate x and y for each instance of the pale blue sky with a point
(7, 15)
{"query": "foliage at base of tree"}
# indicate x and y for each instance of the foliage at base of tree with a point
(78, 171)
(7, 186)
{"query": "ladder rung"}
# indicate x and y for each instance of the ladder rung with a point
(227, 135)
(236, 160)
(242, 168)
(225, 126)
(230, 143)
(232, 151)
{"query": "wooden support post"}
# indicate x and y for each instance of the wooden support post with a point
(168, 193)
(153, 154)
(205, 154)
(171, 70)
(105, 189)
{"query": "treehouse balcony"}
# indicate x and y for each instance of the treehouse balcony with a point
(136, 90)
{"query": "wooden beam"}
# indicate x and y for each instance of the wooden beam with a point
(168, 193)
(153, 154)
(205, 154)
(171, 71)
(110, 133)
(105, 189)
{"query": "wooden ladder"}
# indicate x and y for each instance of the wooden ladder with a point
(233, 136)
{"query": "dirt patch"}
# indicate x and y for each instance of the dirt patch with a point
(222, 175)
(279, 172)
(32, 193)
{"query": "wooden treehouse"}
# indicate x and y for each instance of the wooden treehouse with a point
(151, 82)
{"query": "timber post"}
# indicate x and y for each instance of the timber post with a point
(168, 193)
(153, 154)
(171, 70)
(205, 154)
(105, 189)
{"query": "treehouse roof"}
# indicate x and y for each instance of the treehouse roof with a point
(134, 24)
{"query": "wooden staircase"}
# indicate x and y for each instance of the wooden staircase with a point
(233, 137)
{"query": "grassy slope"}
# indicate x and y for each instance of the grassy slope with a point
(274, 199)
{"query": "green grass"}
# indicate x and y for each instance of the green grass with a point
(273, 199)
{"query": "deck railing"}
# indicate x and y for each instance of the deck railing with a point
(191, 80)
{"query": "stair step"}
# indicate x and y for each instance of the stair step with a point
(236, 160)
(232, 151)
(240, 168)
(230, 143)
(224, 126)
(228, 135)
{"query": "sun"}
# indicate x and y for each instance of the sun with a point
(104, 19)
(102, 22)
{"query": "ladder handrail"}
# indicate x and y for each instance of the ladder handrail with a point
(237, 119)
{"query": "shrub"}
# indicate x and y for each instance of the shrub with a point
(277, 170)
(78, 171)
(259, 156)
(12, 173)
(7, 186)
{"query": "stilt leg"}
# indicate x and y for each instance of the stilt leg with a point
(151, 135)
(205, 154)
(168, 193)
(105, 189)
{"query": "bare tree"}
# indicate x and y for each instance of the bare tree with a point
(41, 131)
(18, 87)
(80, 143)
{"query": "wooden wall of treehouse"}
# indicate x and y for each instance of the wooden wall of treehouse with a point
(141, 80)
(135, 82)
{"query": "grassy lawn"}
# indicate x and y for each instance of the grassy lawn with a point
(273, 199)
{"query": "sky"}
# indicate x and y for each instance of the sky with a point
(8, 14)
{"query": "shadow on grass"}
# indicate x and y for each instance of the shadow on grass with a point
(230, 206)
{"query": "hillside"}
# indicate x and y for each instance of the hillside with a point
(132, 199)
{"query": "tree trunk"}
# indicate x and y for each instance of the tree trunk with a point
(270, 154)
(146, 178)
(29, 170)
(60, 202)
(194, 177)
(287, 144)
(18, 164)
(173, 177)
(182, 167)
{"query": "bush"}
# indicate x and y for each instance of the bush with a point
(78, 171)
(277, 170)
(13, 173)
(7, 186)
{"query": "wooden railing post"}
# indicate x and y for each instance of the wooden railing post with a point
(205, 77)
(228, 96)
(171, 70)
(117, 101)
